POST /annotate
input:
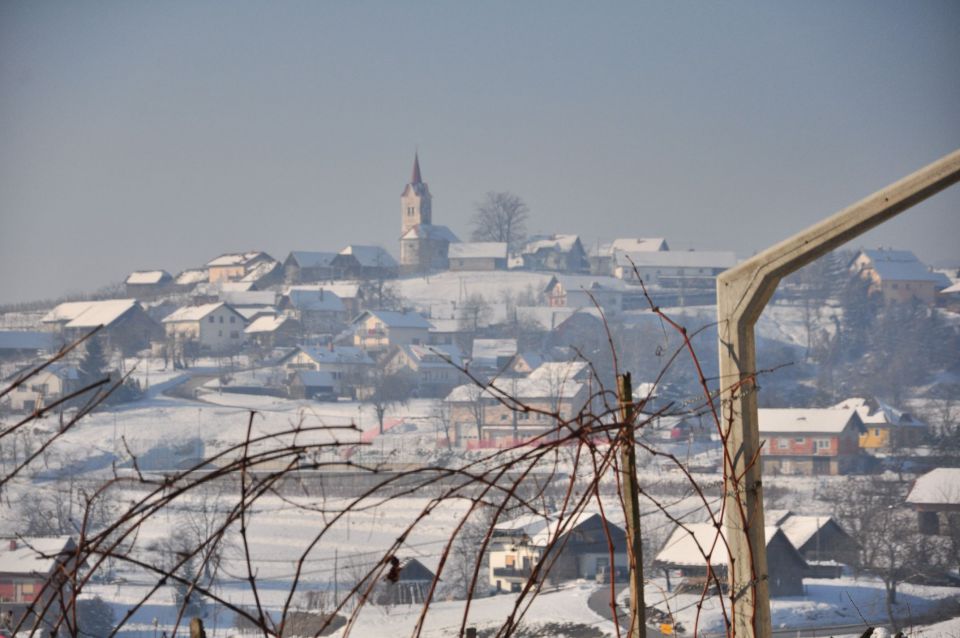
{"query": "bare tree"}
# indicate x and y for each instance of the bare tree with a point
(387, 389)
(501, 217)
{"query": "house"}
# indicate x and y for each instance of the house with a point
(33, 571)
(935, 496)
(601, 259)
(577, 546)
(492, 356)
(364, 262)
(25, 343)
(145, 283)
(303, 266)
(188, 279)
(263, 275)
(585, 291)
(347, 365)
(272, 331)
(125, 324)
(680, 271)
(45, 387)
(898, 276)
(811, 441)
(213, 327)
(481, 419)
(409, 585)
(523, 363)
(687, 547)
(313, 384)
(436, 369)
(379, 330)
(478, 256)
(823, 543)
(559, 253)
(317, 309)
(885, 428)
(235, 266)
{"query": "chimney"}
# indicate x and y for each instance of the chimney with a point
(331, 345)
(13, 544)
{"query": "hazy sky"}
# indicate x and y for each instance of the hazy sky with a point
(139, 135)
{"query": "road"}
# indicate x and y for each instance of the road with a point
(599, 603)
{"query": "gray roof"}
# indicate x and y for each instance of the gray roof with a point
(393, 319)
(370, 256)
(315, 300)
(339, 354)
(315, 379)
(311, 259)
(429, 231)
(903, 265)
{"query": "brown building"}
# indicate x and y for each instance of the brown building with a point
(811, 441)
(898, 275)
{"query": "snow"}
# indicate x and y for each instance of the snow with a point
(562, 243)
(937, 487)
(192, 313)
(688, 547)
(443, 288)
(393, 319)
(235, 259)
(32, 555)
(146, 277)
(370, 256)
(266, 324)
(790, 420)
(478, 250)
(89, 314)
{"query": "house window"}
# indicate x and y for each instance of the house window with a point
(799, 439)
(219, 333)
(233, 319)
(823, 444)
(211, 319)
(876, 431)
(234, 334)
(221, 318)
(783, 444)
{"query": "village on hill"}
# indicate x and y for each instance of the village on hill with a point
(447, 350)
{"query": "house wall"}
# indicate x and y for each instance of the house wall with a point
(45, 385)
(225, 273)
(477, 263)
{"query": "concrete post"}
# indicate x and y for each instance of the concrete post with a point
(742, 293)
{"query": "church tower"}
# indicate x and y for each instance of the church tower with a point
(415, 201)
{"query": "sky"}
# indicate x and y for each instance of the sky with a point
(142, 135)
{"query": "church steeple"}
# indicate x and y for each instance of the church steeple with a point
(415, 200)
(415, 179)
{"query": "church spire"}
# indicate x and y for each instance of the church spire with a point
(415, 179)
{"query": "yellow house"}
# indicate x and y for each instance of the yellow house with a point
(885, 428)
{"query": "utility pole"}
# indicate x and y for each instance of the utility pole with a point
(631, 503)
(742, 293)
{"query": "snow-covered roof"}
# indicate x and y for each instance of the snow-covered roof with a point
(445, 325)
(544, 536)
(311, 259)
(800, 529)
(520, 389)
(937, 487)
(394, 319)
(588, 283)
(949, 290)
(676, 259)
(559, 370)
(338, 354)
(434, 356)
(261, 270)
(877, 412)
(478, 250)
(266, 324)
(27, 555)
(902, 265)
(561, 243)
(253, 312)
(492, 349)
(686, 547)
(430, 231)
(529, 524)
(197, 313)
(89, 314)
(148, 277)
(249, 297)
(370, 256)
(26, 340)
(812, 420)
(237, 259)
(315, 300)
(635, 245)
(192, 276)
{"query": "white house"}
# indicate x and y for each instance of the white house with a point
(214, 327)
(379, 330)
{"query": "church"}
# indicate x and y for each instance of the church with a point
(423, 246)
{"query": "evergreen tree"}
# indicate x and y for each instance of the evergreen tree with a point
(93, 363)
